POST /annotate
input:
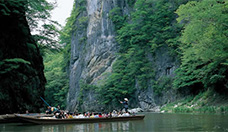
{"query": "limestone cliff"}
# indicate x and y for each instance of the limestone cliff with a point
(94, 50)
(96, 54)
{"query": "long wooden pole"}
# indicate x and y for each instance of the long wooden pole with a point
(45, 101)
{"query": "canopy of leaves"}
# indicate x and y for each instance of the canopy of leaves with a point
(204, 44)
(57, 79)
(37, 14)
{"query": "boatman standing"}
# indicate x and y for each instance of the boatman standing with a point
(125, 103)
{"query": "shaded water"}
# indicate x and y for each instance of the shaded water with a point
(152, 122)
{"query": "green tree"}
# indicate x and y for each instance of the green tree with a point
(204, 45)
(57, 79)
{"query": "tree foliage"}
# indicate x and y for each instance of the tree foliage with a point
(37, 13)
(204, 45)
(57, 79)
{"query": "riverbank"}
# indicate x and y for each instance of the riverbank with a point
(205, 102)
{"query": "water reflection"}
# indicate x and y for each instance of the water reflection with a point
(110, 126)
(152, 122)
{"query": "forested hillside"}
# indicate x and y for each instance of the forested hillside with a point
(171, 54)
(150, 27)
(176, 46)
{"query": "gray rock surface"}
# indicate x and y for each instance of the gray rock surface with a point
(165, 65)
(92, 59)
(135, 110)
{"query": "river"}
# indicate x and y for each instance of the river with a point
(152, 122)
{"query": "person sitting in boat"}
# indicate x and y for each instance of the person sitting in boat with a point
(96, 116)
(66, 115)
(48, 111)
(55, 110)
(81, 115)
(100, 115)
(56, 115)
(126, 114)
(120, 114)
(114, 113)
(75, 115)
(70, 115)
(92, 116)
(103, 114)
(110, 114)
(60, 115)
(125, 103)
(27, 112)
(86, 115)
(58, 107)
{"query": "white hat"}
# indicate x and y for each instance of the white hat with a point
(125, 99)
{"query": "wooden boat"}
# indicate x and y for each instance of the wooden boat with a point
(12, 118)
(8, 118)
(39, 120)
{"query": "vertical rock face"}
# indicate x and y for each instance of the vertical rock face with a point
(96, 54)
(93, 51)
(165, 65)
(21, 66)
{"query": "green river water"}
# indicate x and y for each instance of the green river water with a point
(152, 122)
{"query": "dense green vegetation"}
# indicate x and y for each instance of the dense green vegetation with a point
(195, 31)
(21, 68)
(57, 80)
(203, 50)
(37, 15)
(204, 102)
(204, 46)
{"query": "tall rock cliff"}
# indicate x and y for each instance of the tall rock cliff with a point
(21, 66)
(94, 50)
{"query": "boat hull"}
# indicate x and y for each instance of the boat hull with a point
(12, 118)
(37, 120)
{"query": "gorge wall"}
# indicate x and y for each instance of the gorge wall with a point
(21, 66)
(94, 50)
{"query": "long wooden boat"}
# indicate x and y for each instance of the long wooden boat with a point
(12, 118)
(39, 120)
(8, 118)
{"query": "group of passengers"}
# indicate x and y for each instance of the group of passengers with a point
(65, 114)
